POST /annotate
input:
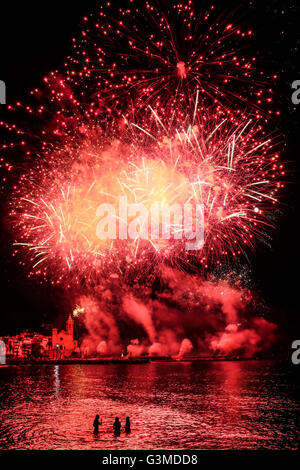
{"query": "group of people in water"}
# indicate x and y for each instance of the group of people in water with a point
(116, 426)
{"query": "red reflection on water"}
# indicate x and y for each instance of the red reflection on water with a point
(196, 405)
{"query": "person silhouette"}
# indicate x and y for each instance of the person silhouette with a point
(117, 427)
(127, 425)
(96, 424)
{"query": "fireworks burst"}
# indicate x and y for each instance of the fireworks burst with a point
(232, 170)
(166, 55)
(78, 311)
(160, 54)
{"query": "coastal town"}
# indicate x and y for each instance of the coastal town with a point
(60, 345)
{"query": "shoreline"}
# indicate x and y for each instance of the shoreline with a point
(17, 362)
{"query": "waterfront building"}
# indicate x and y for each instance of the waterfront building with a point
(33, 345)
(26, 345)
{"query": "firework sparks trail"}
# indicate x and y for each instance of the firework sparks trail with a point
(166, 56)
(160, 54)
(151, 54)
(230, 170)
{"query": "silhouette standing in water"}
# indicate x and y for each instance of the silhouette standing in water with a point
(96, 424)
(127, 425)
(117, 427)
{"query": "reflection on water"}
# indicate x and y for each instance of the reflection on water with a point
(192, 405)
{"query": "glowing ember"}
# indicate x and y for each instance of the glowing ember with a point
(181, 69)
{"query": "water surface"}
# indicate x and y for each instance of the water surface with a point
(192, 405)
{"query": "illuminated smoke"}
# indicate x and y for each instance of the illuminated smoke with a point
(140, 314)
(135, 349)
(102, 348)
(246, 342)
(101, 326)
(188, 314)
(185, 348)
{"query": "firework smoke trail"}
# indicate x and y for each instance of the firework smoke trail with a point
(156, 104)
(183, 312)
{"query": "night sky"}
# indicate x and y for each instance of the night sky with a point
(35, 38)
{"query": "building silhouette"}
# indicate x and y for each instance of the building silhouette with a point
(63, 342)
(34, 345)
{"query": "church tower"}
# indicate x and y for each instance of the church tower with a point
(70, 326)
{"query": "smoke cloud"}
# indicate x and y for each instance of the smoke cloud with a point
(140, 314)
(185, 348)
(187, 313)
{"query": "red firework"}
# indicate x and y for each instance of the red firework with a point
(161, 54)
(232, 170)
(132, 115)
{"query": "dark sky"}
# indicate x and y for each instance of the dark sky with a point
(35, 37)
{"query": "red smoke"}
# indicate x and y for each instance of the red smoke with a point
(185, 348)
(135, 349)
(185, 314)
(103, 330)
(246, 341)
(140, 314)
